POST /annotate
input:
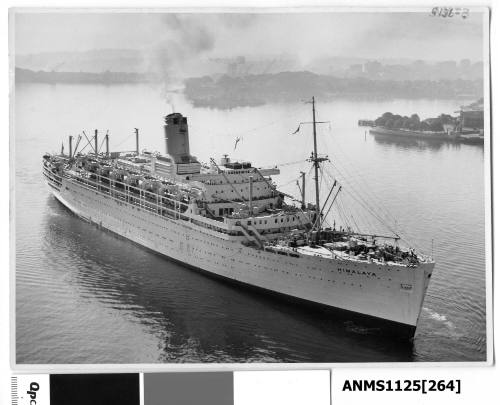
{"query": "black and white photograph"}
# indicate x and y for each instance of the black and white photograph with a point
(298, 186)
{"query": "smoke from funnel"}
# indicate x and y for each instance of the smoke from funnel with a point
(183, 42)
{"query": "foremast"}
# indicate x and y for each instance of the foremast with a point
(316, 160)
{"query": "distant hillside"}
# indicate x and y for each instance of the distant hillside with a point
(228, 92)
(157, 60)
(224, 91)
(95, 61)
(30, 76)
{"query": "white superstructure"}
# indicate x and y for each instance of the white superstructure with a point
(230, 220)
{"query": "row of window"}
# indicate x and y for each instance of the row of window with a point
(146, 231)
(142, 219)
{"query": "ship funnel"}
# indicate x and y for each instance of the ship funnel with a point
(176, 135)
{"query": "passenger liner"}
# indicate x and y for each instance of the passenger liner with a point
(229, 219)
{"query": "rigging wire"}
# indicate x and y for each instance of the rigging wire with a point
(360, 179)
(103, 140)
(382, 214)
(344, 217)
(355, 224)
(290, 163)
(362, 201)
(404, 239)
(365, 204)
(289, 182)
(333, 200)
(359, 214)
(307, 175)
(77, 144)
(89, 141)
(124, 140)
(331, 204)
(271, 123)
(347, 162)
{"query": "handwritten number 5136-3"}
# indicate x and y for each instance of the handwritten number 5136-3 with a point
(447, 12)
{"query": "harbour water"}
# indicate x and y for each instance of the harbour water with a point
(87, 296)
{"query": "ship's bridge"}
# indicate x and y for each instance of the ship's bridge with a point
(231, 184)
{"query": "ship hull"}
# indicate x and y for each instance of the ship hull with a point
(380, 294)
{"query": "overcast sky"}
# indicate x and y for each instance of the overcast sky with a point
(311, 35)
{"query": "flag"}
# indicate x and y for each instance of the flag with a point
(297, 130)
(236, 142)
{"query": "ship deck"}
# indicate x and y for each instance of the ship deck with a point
(325, 253)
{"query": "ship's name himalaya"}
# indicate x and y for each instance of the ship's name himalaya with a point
(358, 272)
